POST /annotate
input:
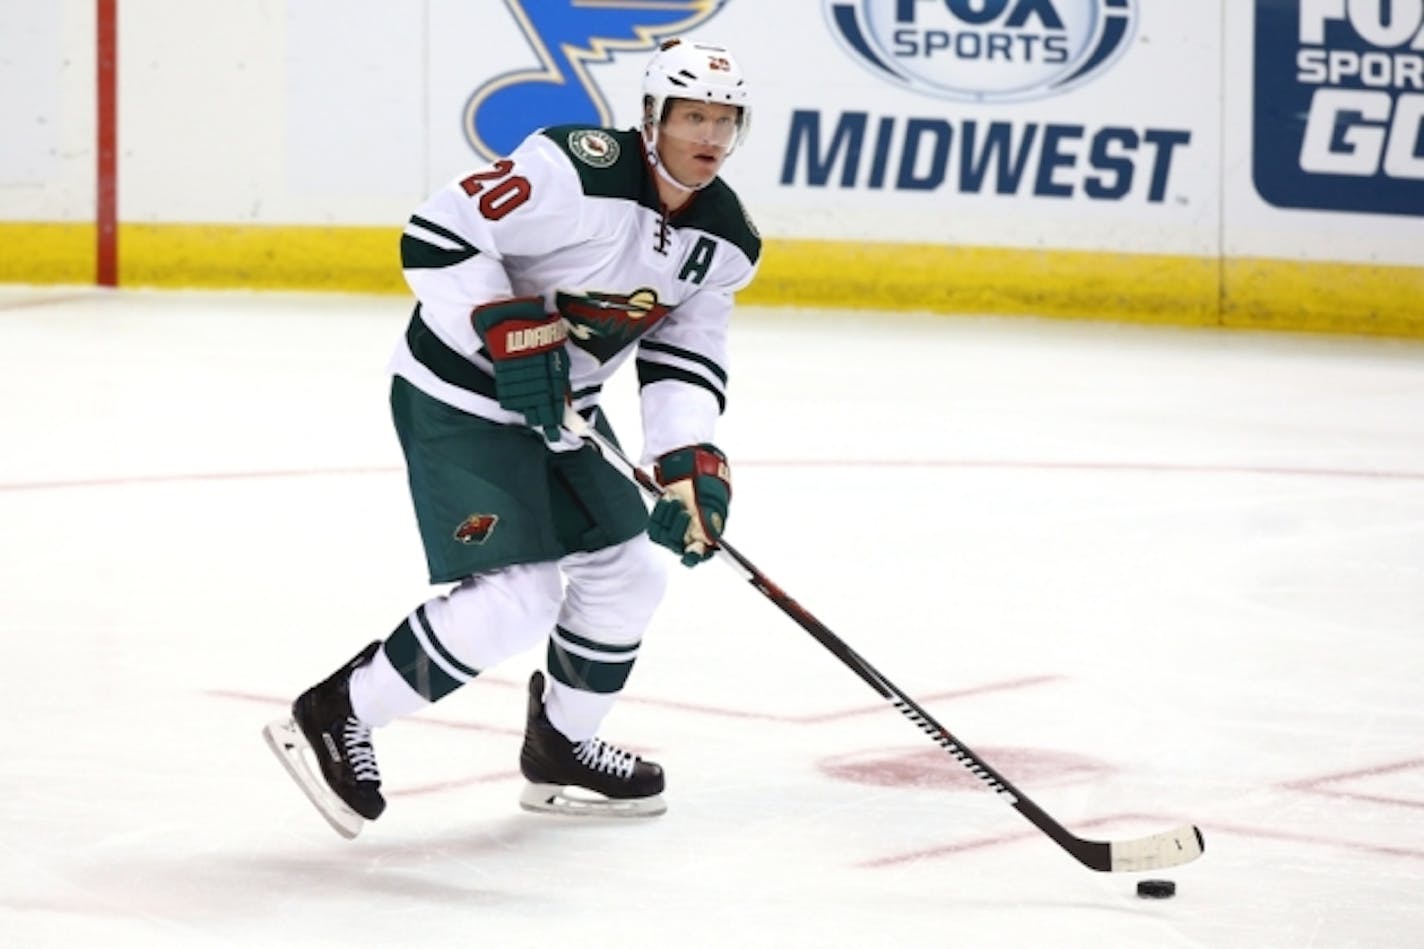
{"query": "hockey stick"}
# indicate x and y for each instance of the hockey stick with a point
(1153, 852)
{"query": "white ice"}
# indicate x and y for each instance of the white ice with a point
(1153, 575)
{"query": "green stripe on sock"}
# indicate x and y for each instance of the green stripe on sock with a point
(603, 676)
(450, 660)
(430, 681)
(573, 639)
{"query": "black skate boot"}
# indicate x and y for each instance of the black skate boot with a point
(348, 792)
(621, 783)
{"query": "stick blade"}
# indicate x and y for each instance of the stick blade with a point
(1170, 848)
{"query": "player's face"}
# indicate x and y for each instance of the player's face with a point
(694, 137)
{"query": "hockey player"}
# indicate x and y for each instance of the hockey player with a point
(537, 277)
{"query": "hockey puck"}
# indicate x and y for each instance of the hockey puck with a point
(1156, 889)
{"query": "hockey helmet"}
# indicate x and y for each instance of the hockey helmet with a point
(701, 72)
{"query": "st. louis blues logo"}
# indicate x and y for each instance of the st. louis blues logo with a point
(985, 50)
(566, 36)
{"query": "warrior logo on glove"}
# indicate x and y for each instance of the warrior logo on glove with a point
(531, 370)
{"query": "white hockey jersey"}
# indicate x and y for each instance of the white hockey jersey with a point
(573, 216)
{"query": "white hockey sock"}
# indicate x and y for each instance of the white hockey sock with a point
(379, 695)
(575, 713)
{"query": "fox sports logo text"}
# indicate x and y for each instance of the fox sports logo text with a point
(985, 50)
(1339, 105)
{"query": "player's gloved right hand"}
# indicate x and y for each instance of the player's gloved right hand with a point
(531, 368)
(690, 517)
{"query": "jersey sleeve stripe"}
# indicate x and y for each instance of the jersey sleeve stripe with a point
(428, 246)
(587, 392)
(448, 365)
(430, 232)
(651, 372)
(652, 346)
(418, 255)
(585, 400)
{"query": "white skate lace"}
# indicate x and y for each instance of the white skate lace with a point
(606, 758)
(359, 753)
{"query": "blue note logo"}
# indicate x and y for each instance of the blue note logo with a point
(985, 50)
(567, 36)
(1339, 105)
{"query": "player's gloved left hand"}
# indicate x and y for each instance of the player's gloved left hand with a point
(690, 517)
(531, 368)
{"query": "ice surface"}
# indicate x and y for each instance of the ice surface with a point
(1153, 575)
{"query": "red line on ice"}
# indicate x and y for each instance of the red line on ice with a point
(1130, 467)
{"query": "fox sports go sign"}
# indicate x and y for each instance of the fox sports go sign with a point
(984, 50)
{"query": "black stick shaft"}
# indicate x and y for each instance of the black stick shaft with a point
(1092, 854)
(1180, 845)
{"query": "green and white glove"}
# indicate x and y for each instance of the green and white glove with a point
(690, 517)
(531, 369)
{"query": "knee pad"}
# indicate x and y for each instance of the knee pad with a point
(612, 593)
(493, 616)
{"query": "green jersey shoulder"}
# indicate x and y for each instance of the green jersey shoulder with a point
(610, 164)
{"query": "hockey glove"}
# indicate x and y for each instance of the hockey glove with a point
(531, 369)
(690, 517)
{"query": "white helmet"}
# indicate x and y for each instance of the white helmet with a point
(703, 72)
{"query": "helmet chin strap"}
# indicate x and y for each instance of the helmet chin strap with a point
(654, 159)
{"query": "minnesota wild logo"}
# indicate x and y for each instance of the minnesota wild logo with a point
(604, 324)
(476, 528)
(594, 147)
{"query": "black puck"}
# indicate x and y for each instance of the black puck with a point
(1156, 889)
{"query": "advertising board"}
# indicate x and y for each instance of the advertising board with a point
(1194, 161)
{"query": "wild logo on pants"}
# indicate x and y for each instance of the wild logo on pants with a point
(476, 529)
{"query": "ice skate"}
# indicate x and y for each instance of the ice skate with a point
(587, 778)
(347, 791)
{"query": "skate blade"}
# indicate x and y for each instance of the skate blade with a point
(577, 802)
(292, 749)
